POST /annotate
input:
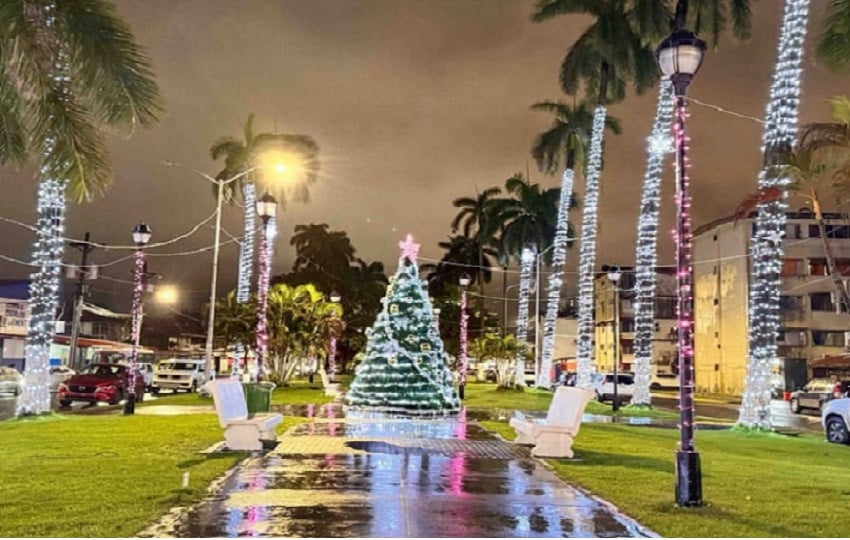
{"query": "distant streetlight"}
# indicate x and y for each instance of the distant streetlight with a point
(266, 208)
(141, 236)
(680, 57)
(464, 319)
(614, 277)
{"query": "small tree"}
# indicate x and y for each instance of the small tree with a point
(503, 350)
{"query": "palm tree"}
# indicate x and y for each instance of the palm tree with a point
(833, 46)
(779, 137)
(502, 350)
(531, 218)
(709, 17)
(610, 52)
(565, 141)
(476, 213)
(67, 70)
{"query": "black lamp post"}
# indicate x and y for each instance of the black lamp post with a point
(464, 282)
(614, 277)
(680, 57)
(141, 236)
(266, 208)
(335, 298)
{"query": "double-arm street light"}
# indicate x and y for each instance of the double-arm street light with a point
(266, 208)
(680, 57)
(464, 282)
(614, 274)
(141, 236)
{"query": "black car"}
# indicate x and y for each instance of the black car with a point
(817, 392)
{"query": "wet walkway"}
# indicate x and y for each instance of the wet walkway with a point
(372, 477)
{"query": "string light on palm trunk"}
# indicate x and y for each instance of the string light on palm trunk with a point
(553, 296)
(246, 263)
(464, 321)
(526, 263)
(587, 251)
(659, 144)
(767, 247)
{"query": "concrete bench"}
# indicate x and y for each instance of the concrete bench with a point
(331, 389)
(554, 436)
(241, 430)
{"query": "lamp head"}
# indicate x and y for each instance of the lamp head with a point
(464, 280)
(613, 272)
(680, 57)
(335, 297)
(141, 234)
(266, 206)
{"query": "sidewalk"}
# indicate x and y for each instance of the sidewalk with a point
(396, 478)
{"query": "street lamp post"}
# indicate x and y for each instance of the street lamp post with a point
(335, 298)
(614, 277)
(141, 236)
(680, 57)
(266, 207)
(464, 318)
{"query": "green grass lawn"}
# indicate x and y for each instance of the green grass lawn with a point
(754, 485)
(104, 476)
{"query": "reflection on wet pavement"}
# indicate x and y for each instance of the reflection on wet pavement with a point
(396, 478)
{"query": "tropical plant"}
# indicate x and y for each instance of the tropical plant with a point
(235, 323)
(67, 70)
(611, 52)
(502, 350)
(530, 216)
(833, 46)
(766, 244)
(565, 141)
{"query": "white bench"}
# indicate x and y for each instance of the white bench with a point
(331, 389)
(554, 437)
(241, 431)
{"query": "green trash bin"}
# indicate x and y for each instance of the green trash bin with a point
(258, 396)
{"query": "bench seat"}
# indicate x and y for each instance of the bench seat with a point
(554, 436)
(242, 431)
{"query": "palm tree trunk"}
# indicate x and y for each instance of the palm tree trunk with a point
(526, 269)
(587, 248)
(246, 264)
(766, 248)
(647, 240)
(505, 299)
(559, 257)
(44, 297)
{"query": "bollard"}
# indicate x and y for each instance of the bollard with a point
(185, 484)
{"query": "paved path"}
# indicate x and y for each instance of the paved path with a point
(396, 478)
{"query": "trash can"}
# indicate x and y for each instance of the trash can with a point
(258, 396)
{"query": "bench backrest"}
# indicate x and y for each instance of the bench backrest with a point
(324, 377)
(568, 406)
(229, 400)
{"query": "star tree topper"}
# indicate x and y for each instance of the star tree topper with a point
(409, 248)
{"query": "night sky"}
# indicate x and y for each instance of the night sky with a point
(413, 103)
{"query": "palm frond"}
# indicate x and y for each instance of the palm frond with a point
(546, 9)
(741, 18)
(833, 47)
(752, 200)
(13, 131)
(110, 70)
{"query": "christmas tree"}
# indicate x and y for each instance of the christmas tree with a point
(404, 366)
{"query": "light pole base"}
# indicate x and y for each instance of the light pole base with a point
(460, 391)
(688, 479)
(130, 404)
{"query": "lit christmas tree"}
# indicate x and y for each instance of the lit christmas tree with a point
(404, 367)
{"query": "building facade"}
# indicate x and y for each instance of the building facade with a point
(812, 324)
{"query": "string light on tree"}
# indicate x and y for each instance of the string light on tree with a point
(246, 263)
(587, 251)
(266, 208)
(464, 320)
(526, 263)
(766, 249)
(553, 294)
(659, 144)
(141, 236)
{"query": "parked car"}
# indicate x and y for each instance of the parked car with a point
(58, 375)
(835, 418)
(603, 385)
(101, 382)
(179, 374)
(146, 369)
(660, 381)
(11, 381)
(816, 393)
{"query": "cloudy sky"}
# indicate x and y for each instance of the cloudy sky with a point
(413, 103)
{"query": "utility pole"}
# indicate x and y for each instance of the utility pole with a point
(85, 247)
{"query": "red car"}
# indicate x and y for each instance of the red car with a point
(100, 382)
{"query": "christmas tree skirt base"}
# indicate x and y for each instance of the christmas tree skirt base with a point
(359, 412)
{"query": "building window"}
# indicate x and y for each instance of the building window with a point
(837, 231)
(792, 267)
(665, 308)
(822, 302)
(794, 338)
(814, 231)
(828, 338)
(627, 347)
(843, 266)
(100, 330)
(627, 325)
(817, 267)
(793, 231)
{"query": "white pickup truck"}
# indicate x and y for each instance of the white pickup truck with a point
(179, 374)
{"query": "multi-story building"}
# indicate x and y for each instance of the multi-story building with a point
(812, 325)
(14, 315)
(664, 337)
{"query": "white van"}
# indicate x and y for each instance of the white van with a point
(179, 374)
